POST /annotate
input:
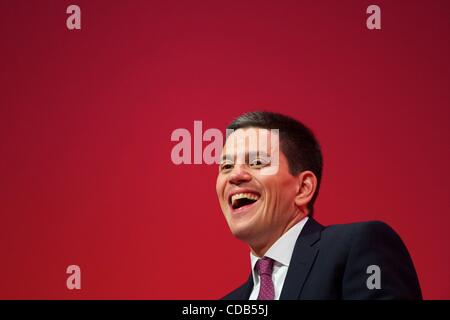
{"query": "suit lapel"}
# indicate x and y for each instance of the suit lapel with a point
(302, 260)
(247, 288)
(243, 292)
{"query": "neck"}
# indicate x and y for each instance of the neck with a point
(259, 249)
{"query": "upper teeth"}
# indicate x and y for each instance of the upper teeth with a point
(237, 196)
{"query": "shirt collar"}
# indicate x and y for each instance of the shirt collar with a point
(281, 251)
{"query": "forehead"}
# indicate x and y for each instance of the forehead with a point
(251, 139)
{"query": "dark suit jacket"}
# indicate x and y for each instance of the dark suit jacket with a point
(331, 263)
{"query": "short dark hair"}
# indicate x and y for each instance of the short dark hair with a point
(297, 142)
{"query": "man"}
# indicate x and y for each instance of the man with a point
(267, 188)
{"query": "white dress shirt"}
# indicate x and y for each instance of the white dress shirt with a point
(281, 252)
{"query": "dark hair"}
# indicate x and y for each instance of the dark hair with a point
(297, 142)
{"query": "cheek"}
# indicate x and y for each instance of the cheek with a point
(271, 189)
(279, 189)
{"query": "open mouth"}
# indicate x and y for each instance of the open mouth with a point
(241, 200)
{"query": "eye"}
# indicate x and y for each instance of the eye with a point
(226, 165)
(259, 162)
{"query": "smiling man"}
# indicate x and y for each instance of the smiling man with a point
(268, 181)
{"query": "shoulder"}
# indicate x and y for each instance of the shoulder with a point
(365, 229)
(375, 224)
(371, 240)
(372, 243)
(369, 234)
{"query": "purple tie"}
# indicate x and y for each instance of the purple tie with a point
(264, 268)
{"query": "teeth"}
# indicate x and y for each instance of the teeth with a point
(238, 196)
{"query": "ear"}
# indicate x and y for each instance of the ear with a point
(307, 185)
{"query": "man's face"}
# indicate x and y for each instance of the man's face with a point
(258, 206)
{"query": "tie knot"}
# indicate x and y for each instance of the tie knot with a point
(264, 266)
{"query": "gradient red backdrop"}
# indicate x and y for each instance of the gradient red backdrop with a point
(86, 116)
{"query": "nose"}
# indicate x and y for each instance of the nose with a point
(239, 175)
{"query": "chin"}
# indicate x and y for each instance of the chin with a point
(243, 233)
(242, 236)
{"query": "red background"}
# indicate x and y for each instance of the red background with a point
(86, 117)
